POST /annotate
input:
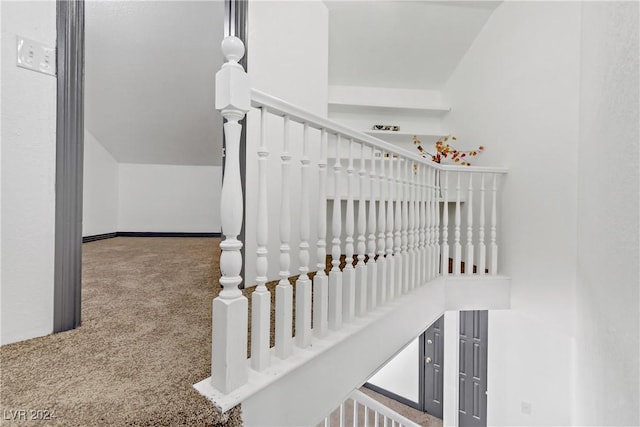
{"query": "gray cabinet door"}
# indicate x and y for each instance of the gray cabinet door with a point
(432, 342)
(472, 408)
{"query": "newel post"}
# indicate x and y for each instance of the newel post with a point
(229, 328)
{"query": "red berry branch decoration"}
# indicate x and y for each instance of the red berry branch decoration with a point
(445, 151)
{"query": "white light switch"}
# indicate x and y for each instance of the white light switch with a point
(35, 56)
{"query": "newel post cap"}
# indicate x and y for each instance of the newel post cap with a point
(232, 48)
(233, 95)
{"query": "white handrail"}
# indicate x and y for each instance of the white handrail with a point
(280, 107)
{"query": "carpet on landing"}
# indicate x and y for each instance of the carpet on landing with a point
(145, 339)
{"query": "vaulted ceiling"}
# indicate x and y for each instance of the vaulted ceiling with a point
(149, 80)
(401, 44)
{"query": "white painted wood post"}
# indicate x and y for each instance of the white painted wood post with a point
(335, 275)
(406, 257)
(361, 270)
(494, 218)
(284, 290)
(303, 283)
(230, 308)
(261, 298)
(389, 242)
(469, 249)
(436, 226)
(445, 226)
(382, 223)
(372, 268)
(422, 232)
(397, 250)
(411, 230)
(320, 280)
(457, 247)
(482, 248)
(349, 273)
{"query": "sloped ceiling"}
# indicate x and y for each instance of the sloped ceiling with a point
(149, 80)
(401, 44)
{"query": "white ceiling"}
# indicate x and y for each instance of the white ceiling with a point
(401, 44)
(149, 80)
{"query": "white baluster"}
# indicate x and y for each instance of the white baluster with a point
(412, 226)
(303, 283)
(422, 209)
(261, 298)
(434, 264)
(349, 273)
(335, 275)
(397, 250)
(457, 247)
(320, 280)
(482, 256)
(389, 243)
(355, 413)
(372, 268)
(361, 270)
(366, 416)
(406, 257)
(416, 227)
(469, 249)
(445, 226)
(284, 290)
(494, 213)
(436, 224)
(230, 308)
(382, 222)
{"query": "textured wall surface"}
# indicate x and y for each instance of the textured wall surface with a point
(607, 369)
(28, 176)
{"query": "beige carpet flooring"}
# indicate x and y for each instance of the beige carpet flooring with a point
(145, 339)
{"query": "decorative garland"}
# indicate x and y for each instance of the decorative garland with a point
(444, 150)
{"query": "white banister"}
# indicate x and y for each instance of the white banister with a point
(230, 308)
(468, 269)
(390, 291)
(361, 270)
(396, 246)
(382, 223)
(444, 253)
(457, 247)
(320, 280)
(397, 250)
(372, 268)
(284, 290)
(482, 256)
(494, 218)
(303, 284)
(348, 273)
(335, 275)
(261, 298)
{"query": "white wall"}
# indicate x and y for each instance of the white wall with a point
(607, 357)
(516, 92)
(100, 189)
(400, 375)
(169, 198)
(28, 177)
(288, 56)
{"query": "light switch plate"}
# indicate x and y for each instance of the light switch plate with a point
(35, 56)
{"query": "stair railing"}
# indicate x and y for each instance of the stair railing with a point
(360, 410)
(403, 238)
